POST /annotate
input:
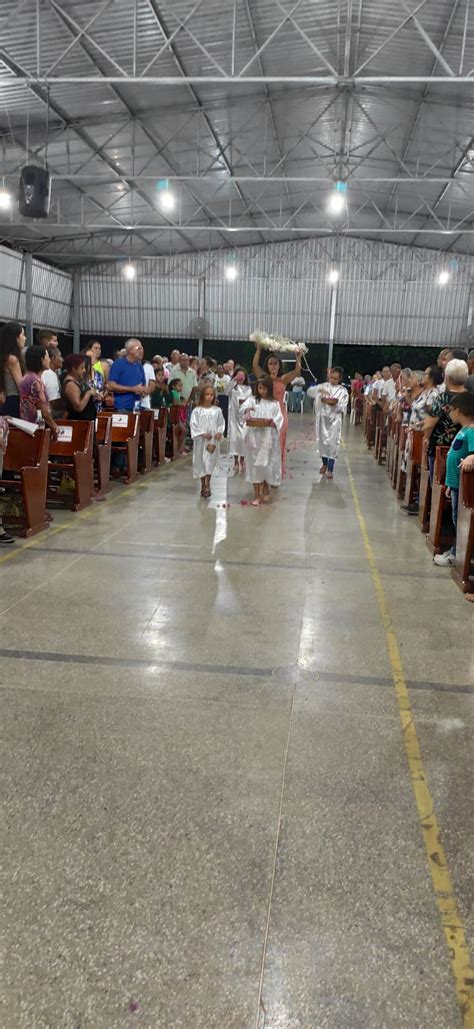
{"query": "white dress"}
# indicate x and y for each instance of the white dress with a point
(262, 446)
(204, 420)
(328, 419)
(237, 394)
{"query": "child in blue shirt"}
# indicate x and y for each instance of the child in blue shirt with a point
(461, 410)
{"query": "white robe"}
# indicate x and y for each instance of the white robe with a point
(237, 394)
(328, 419)
(262, 446)
(204, 420)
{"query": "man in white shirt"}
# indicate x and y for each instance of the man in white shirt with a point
(173, 365)
(150, 381)
(50, 378)
(389, 388)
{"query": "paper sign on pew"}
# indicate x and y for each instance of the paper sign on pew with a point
(64, 434)
(120, 420)
(19, 423)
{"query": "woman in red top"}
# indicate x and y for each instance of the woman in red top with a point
(32, 392)
(274, 368)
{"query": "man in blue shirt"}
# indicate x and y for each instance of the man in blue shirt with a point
(127, 378)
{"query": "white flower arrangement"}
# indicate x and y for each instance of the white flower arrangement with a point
(278, 344)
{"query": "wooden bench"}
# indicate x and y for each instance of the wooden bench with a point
(425, 490)
(145, 446)
(103, 453)
(441, 531)
(379, 435)
(359, 407)
(412, 477)
(395, 455)
(160, 430)
(463, 569)
(73, 456)
(370, 425)
(125, 435)
(401, 474)
(174, 434)
(27, 457)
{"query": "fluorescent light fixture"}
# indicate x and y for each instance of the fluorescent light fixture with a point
(443, 277)
(231, 273)
(5, 200)
(129, 271)
(167, 200)
(337, 200)
(333, 276)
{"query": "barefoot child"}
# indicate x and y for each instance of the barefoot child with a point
(263, 421)
(330, 405)
(207, 429)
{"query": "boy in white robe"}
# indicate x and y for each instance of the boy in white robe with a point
(330, 405)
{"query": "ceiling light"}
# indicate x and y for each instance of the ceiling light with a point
(231, 272)
(333, 276)
(337, 200)
(129, 271)
(167, 200)
(5, 200)
(443, 277)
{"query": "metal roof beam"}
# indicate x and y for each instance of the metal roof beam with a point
(28, 78)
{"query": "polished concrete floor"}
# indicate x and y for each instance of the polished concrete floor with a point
(208, 817)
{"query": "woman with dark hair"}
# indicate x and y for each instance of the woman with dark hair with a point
(238, 390)
(330, 405)
(274, 369)
(12, 343)
(263, 420)
(79, 396)
(32, 399)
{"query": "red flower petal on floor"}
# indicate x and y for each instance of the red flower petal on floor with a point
(133, 1006)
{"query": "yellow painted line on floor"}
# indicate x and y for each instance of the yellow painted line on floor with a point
(453, 928)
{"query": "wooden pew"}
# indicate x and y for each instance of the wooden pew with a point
(441, 532)
(359, 407)
(380, 436)
(125, 440)
(103, 453)
(160, 430)
(370, 425)
(73, 456)
(412, 478)
(425, 490)
(463, 569)
(397, 427)
(145, 446)
(27, 456)
(401, 475)
(174, 421)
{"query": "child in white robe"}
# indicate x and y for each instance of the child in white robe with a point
(238, 390)
(207, 429)
(330, 405)
(263, 421)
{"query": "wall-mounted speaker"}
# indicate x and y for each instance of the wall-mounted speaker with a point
(34, 193)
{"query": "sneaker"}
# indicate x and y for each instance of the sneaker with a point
(6, 540)
(443, 560)
(411, 509)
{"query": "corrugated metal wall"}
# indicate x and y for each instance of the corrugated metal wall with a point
(386, 294)
(52, 292)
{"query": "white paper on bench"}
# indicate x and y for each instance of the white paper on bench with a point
(120, 420)
(64, 433)
(19, 423)
(156, 415)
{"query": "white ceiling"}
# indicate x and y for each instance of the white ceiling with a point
(251, 109)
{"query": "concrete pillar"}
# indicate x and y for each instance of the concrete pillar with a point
(76, 311)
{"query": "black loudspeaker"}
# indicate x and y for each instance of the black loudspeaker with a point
(34, 192)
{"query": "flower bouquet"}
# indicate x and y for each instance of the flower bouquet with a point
(279, 344)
